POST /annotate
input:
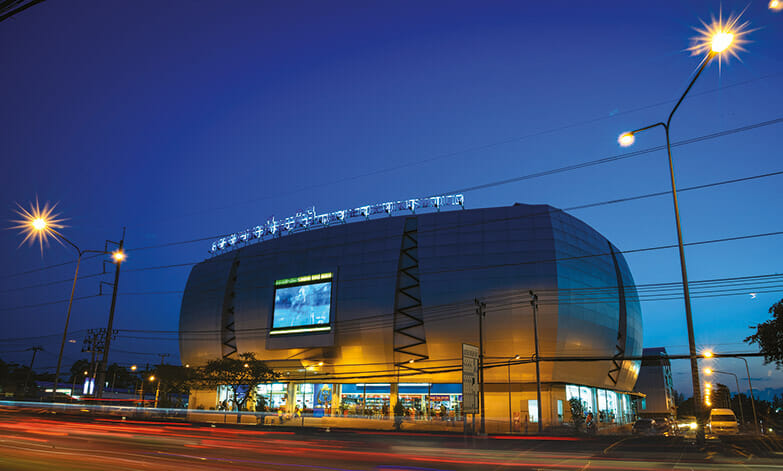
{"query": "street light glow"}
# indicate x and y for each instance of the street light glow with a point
(152, 378)
(708, 354)
(775, 5)
(721, 41)
(133, 368)
(708, 371)
(626, 139)
(118, 256)
(38, 223)
(720, 37)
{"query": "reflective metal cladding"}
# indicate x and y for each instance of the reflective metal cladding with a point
(588, 303)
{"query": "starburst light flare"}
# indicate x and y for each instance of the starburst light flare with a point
(720, 37)
(38, 223)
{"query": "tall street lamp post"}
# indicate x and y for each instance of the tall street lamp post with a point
(510, 426)
(39, 224)
(719, 42)
(709, 371)
(539, 406)
(157, 390)
(752, 399)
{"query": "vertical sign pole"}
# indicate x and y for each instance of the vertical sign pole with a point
(534, 303)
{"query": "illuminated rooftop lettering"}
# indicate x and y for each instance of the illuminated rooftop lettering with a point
(309, 219)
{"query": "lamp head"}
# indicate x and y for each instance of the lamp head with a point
(119, 256)
(721, 37)
(38, 223)
(721, 41)
(708, 354)
(626, 139)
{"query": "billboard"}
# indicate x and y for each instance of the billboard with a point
(302, 304)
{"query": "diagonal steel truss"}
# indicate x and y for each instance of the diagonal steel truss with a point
(619, 355)
(228, 334)
(410, 341)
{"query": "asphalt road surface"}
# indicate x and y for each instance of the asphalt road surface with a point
(31, 441)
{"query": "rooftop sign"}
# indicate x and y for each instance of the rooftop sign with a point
(308, 219)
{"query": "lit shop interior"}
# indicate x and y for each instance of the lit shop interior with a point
(418, 399)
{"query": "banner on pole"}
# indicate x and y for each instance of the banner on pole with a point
(470, 386)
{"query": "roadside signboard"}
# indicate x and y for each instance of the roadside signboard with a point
(470, 386)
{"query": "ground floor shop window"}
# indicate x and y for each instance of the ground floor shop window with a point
(610, 406)
(271, 396)
(419, 400)
(532, 410)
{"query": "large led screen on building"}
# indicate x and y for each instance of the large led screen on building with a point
(302, 304)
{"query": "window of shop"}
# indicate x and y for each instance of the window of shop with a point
(274, 394)
(611, 412)
(532, 410)
(365, 399)
(586, 394)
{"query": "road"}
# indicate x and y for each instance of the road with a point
(32, 442)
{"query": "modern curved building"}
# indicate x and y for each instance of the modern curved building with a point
(379, 309)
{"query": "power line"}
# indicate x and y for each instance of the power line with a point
(515, 179)
(615, 157)
(481, 147)
(485, 267)
(588, 205)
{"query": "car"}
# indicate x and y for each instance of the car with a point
(723, 422)
(666, 426)
(686, 423)
(645, 427)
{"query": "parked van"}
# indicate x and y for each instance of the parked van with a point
(723, 422)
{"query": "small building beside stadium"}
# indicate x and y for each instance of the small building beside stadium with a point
(354, 316)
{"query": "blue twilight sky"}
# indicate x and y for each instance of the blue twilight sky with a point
(186, 120)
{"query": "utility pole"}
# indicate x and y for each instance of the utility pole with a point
(109, 329)
(481, 312)
(162, 356)
(93, 344)
(534, 303)
(35, 350)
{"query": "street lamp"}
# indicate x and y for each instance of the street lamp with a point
(157, 390)
(38, 224)
(716, 39)
(709, 371)
(510, 427)
(709, 354)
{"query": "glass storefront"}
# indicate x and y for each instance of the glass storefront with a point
(610, 406)
(275, 396)
(420, 400)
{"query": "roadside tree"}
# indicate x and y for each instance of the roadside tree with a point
(240, 374)
(769, 336)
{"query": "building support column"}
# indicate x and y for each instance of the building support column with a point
(394, 396)
(290, 403)
(337, 391)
